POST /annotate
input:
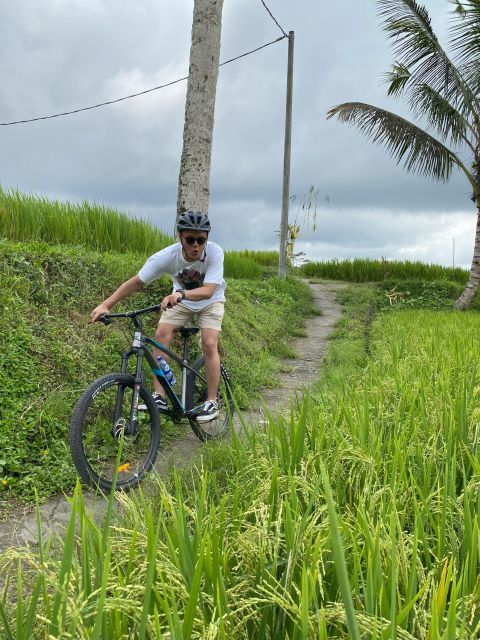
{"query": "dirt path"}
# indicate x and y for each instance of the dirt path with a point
(301, 372)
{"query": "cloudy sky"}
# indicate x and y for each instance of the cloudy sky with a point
(58, 55)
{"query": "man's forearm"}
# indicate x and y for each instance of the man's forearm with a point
(123, 291)
(201, 293)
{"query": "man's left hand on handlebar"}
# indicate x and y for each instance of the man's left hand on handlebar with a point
(101, 310)
(170, 301)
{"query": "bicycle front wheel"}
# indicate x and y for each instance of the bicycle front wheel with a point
(197, 393)
(101, 425)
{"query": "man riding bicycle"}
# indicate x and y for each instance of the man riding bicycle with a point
(195, 266)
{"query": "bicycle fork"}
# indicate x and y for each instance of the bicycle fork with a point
(120, 424)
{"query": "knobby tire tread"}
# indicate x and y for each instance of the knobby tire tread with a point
(78, 417)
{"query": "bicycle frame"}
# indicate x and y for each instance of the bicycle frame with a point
(141, 351)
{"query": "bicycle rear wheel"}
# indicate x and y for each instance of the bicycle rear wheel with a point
(100, 425)
(197, 394)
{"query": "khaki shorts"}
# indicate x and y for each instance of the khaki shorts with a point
(209, 318)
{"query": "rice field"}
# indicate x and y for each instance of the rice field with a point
(263, 258)
(370, 270)
(355, 516)
(25, 218)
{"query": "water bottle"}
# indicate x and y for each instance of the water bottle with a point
(169, 375)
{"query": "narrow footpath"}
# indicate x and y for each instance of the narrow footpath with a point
(302, 371)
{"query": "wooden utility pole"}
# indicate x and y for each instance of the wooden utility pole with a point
(194, 179)
(282, 258)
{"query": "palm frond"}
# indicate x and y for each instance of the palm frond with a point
(397, 78)
(470, 71)
(465, 38)
(440, 114)
(421, 153)
(417, 48)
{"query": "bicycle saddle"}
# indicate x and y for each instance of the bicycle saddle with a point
(187, 331)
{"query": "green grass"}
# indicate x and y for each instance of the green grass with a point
(237, 266)
(264, 258)
(50, 354)
(27, 217)
(369, 270)
(357, 516)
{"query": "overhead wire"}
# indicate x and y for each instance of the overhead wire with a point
(139, 93)
(285, 35)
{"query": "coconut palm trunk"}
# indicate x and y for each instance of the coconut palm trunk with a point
(474, 276)
(194, 179)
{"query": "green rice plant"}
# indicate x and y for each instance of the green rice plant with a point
(238, 265)
(263, 258)
(355, 515)
(29, 217)
(340, 563)
(26, 217)
(370, 270)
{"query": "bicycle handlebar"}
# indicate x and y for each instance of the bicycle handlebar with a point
(107, 317)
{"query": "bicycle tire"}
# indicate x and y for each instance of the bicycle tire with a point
(196, 396)
(91, 446)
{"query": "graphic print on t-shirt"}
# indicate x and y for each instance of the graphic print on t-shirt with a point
(190, 278)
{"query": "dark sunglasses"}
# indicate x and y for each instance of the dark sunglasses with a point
(191, 240)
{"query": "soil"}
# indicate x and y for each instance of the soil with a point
(21, 526)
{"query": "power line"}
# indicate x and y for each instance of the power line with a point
(274, 19)
(95, 106)
(140, 93)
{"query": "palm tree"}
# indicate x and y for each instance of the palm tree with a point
(441, 92)
(194, 178)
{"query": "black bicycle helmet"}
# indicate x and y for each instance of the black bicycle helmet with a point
(194, 220)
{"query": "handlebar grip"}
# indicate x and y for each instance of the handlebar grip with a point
(104, 320)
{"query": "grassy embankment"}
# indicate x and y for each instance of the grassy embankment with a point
(48, 352)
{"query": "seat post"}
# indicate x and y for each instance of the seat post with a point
(186, 350)
(186, 346)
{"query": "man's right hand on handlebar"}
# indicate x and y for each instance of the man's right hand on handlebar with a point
(101, 310)
(170, 301)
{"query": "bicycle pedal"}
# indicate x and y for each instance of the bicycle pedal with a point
(192, 413)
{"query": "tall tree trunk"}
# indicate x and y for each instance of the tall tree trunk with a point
(194, 179)
(474, 277)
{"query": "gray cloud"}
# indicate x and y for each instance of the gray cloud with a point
(56, 56)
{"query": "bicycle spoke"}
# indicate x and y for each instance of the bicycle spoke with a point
(106, 421)
(218, 426)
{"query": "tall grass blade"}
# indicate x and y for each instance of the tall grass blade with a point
(6, 625)
(193, 597)
(340, 564)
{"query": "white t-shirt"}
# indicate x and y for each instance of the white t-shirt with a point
(188, 275)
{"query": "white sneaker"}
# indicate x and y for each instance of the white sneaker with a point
(159, 401)
(209, 411)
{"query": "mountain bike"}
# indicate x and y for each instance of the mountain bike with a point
(110, 436)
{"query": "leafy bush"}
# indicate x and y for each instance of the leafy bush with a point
(416, 294)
